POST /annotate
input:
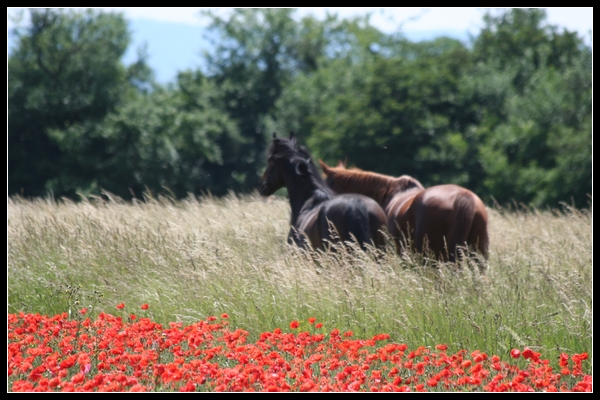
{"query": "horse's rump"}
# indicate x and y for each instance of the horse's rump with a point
(353, 217)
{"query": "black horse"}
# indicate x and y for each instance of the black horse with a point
(316, 208)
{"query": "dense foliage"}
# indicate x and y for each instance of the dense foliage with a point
(508, 115)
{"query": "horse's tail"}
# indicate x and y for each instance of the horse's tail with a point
(460, 222)
(357, 223)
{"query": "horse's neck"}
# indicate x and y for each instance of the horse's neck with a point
(382, 188)
(297, 199)
(304, 198)
(378, 187)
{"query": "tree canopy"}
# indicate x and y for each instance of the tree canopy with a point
(507, 116)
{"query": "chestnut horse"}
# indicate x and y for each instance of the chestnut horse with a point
(315, 206)
(438, 218)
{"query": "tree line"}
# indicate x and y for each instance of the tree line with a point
(508, 115)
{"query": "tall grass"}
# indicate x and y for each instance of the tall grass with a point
(197, 257)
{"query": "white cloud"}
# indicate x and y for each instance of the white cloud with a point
(388, 19)
(391, 19)
(411, 18)
(184, 15)
(578, 19)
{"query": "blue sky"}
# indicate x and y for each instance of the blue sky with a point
(174, 36)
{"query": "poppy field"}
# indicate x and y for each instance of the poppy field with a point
(110, 354)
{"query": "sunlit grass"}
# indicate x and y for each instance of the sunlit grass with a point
(208, 256)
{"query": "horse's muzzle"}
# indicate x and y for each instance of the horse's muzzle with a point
(262, 189)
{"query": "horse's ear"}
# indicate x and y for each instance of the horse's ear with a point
(341, 164)
(325, 167)
(293, 139)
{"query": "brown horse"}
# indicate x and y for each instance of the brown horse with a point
(314, 206)
(438, 218)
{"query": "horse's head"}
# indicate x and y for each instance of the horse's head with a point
(284, 155)
(273, 178)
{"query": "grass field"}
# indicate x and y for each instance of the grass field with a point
(198, 257)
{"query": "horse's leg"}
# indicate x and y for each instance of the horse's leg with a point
(377, 222)
(296, 238)
(426, 238)
(308, 229)
(378, 235)
(402, 227)
(430, 232)
(430, 243)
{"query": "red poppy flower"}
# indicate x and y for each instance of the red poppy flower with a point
(564, 360)
(527, 353)
(144, 306)
(311, 320)
(294, 324)
(224, 315)
(120, 306)
(515, 353)
(476, 369)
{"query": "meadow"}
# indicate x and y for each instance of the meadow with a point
(199, 257)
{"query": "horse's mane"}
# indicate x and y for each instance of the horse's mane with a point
(406, 182)
(378, 186)
(282, 148)
(287, 148)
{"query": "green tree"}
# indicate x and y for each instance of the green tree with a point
(169, 140)
(536, 137)
(66, 70)
(389, 106)
(509, 118)
(258, 54)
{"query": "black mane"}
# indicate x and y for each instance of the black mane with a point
(288, 149)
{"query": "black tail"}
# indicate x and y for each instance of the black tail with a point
(357, 223)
